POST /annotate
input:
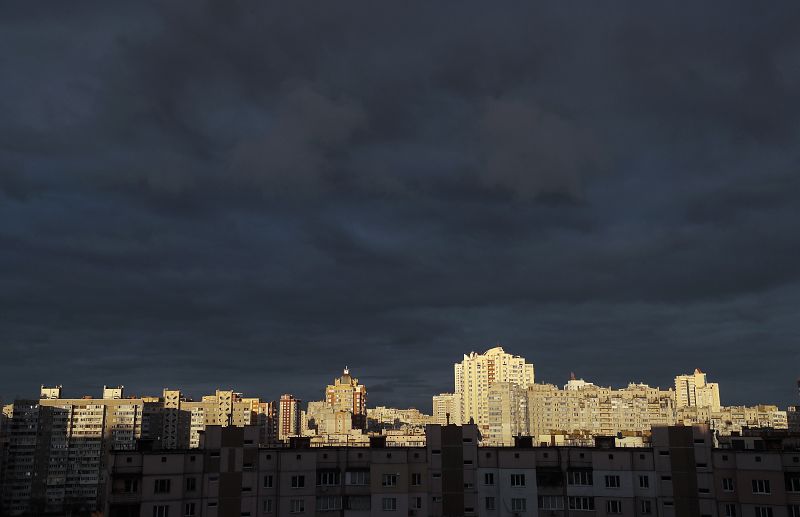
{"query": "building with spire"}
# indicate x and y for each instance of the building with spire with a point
(346, 394)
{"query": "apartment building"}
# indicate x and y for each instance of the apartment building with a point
(446, 408)
(694, 390)
(734, 419)
(583, 407)
(55, 450)
(681, 475)
(289, 417)
(508, 414)
(346, 394)
(477, 373)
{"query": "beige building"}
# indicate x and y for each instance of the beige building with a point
(694, 390)
(346, 394)
(446, 408)
(476, 374)
(735, 419)
(583, 407)
(508, 414)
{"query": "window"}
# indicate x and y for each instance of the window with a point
(162, 486)
(488, 478)
(358, 477)
(763, 511)
(517, 479)
(551, 502)
(612, 481)
(579, 477)
(268, 481)
(358, 502)
(761, 486)
(298, 482)
(267, 505)
(518, 504)
(247, 489)
(793, 482)
(663, 453)
(467, 462)
(416, 503)
(131, 486)
(644, 481)
(297, 506)
(389, 480)
(416, 478)
(613, 506)
(666, 478)
(702, 465)
(212, 504)
(436, 475)
(389, 504)
(191, 484)
(794, 510)
(730, 510)
(161, 510)
(329, 503)
(647, 507)
(163, 459)
(189, 510)
(490, 504)
(328, 478)
(727, 484)
(581, 503)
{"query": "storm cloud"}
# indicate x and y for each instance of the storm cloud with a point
(214, 194)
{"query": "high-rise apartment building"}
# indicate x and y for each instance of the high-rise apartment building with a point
(477, 373)
(346, 394)
(58, 450)
(446, 408)
(288, 417)
(508, 413)
(694, 390)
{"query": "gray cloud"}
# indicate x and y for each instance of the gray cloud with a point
(202, 195)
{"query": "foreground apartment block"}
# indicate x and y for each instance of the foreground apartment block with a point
(682, 475)
(54, 451)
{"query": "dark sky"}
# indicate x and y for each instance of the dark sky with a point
(252, 195)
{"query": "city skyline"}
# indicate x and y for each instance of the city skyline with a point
(317, 393)
(215, 195)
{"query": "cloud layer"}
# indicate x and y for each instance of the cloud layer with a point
(204, 194)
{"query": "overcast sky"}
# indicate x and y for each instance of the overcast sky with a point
(200, 195)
